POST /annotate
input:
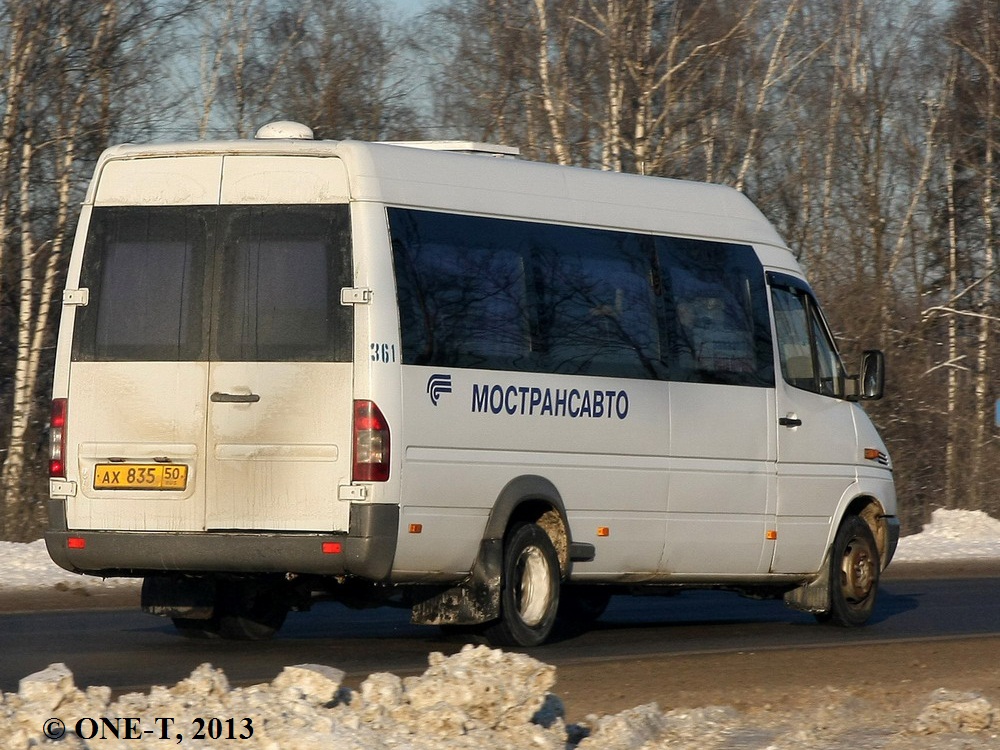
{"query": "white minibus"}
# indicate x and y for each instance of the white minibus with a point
(438, 376)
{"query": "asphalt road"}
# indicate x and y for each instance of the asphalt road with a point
(128, 650)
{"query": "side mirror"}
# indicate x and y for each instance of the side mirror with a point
(871, 381)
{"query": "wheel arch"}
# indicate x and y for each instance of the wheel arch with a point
(524, 499)
(884, 528)
(815, 595)
(530, 498)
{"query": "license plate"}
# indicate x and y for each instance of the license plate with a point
(140, 477)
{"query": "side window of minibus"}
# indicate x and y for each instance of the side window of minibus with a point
(717, 313)
(808, 357)
(596, 308)
(461, 286)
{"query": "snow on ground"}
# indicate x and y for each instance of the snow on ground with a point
(952, 535)
(28, 566)
(478, 699)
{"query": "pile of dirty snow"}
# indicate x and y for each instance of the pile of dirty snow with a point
(466, 701)
(478, 699)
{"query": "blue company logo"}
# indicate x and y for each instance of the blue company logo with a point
(438, 384)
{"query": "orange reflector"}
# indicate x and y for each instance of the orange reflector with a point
(332, 548)
(416, 528)
(872, 454)
(771, 534)
(603, 531)
(76, 542)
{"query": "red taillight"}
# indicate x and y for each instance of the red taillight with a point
(371, 444)
(57, 439)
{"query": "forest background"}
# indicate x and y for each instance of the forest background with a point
(866, 130)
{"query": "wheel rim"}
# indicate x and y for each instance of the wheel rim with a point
(857, 571)
(534, 592)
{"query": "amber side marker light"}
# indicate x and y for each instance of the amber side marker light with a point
(876, 455)
(771, 534)
(416, 528)
(603, 531)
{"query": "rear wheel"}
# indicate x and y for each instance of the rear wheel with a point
(583, 604)
(529, 595)
(854, 575)
(580, 606)
(190, 627)
(251, 610)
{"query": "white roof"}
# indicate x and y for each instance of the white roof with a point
(438, 178)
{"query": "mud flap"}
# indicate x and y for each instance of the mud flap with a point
(813, 597)
(475, 600)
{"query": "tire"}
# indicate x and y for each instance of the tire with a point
(189, 627)
(854, 575)
(583, 604)
(250, 610)
(579, 607)
(529, 593)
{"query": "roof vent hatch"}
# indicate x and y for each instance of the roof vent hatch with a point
(284, 129)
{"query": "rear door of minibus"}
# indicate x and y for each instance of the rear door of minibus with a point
(211, 379)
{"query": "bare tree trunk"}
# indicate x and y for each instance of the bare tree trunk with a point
(40, 263)
(23, 45)
(952, 469)
(778, 67)
(17, 58)
(643, 75)
(984, 348)
(23, 397)
(552, 101)
(211, 73)
(830, 139)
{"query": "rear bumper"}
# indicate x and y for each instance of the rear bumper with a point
(367, 551)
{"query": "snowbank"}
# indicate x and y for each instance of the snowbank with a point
(470, 700)
(478, 699)
(28, 566)
(953, 535)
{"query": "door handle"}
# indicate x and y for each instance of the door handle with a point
(790, 421)
(234, 398)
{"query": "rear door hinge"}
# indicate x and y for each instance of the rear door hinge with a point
(61, 488)
(352, 492)
(76, 297)
(350, 295)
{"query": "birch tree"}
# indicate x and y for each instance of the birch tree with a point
(972, 305)
(65, 61)
(25, 43)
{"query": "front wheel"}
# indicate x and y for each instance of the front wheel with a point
(854, 575)
(529, 594)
